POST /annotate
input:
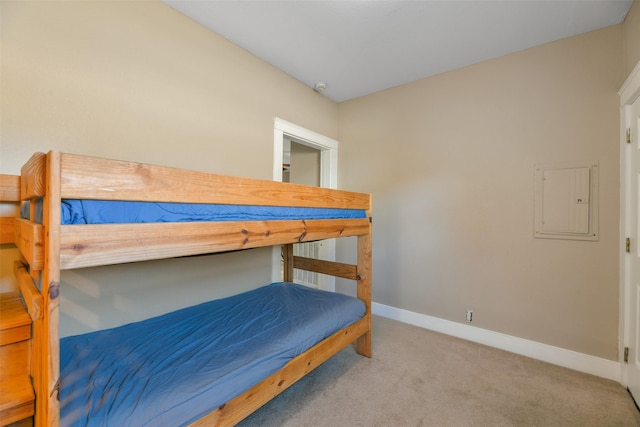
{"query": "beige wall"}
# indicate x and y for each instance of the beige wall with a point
(139, 81)
(631, 31)
(450, 162)
(305, 165)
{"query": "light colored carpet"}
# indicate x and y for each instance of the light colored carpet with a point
(422, 378)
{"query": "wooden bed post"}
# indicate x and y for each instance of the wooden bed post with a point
(46, 335)
(363, 345)
(287, 255)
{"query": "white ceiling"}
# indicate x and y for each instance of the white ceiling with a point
(360, 47)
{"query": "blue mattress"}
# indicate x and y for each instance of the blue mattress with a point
(117, 212)
(173, 369)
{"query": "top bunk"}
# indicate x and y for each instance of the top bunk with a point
(54, 181)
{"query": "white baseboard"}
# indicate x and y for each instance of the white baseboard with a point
(558, 356)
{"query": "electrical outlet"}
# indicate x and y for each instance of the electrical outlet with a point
(469, 316)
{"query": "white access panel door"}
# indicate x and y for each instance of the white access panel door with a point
(566, 202)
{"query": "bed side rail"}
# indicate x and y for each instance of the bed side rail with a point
(105, 244)
(85, 177)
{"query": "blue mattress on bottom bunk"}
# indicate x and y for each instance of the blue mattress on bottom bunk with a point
(118, 212)
(173, 369)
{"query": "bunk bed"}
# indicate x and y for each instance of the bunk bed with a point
(51, 239)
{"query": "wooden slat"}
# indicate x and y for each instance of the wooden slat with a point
(32, 180)
(29, 238)
(332, 268)
(94, 178)
(6, 230)
(91, 245)
(30, 294)
(9, 188)
(237, 409)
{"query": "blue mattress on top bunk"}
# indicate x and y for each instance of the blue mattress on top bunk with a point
(117, 212)
(173, 369)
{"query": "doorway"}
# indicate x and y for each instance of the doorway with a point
(317, 156)
(301, 165)
(630, 232)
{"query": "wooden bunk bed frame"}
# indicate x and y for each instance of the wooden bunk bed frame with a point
(48, 248)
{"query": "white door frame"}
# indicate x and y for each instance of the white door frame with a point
(629, 92)
(328, 178)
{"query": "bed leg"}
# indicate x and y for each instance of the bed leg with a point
(363, 344)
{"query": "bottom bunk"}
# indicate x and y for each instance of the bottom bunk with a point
(213, 363)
